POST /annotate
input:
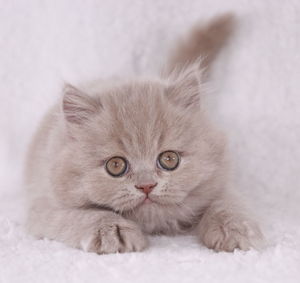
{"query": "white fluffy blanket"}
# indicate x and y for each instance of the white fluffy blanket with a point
(256, 99)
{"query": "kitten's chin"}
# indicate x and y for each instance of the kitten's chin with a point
(147, 201)
(134, 204)
(150, 201)
(162, 201)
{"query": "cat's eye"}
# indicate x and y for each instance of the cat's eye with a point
(168, 160)
(116, 166)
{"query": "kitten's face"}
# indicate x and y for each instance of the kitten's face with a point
(137, 123)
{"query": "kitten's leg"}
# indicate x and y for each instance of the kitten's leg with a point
(225, 226)
(88, 229)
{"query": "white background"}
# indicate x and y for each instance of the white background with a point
(256, 100)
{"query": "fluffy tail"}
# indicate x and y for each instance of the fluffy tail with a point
(204, 42)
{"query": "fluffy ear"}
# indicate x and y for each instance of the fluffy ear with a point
(77, 105)
(184, 87)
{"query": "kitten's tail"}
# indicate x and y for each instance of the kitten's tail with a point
(204, 42)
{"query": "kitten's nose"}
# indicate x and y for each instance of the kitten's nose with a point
(146, 188)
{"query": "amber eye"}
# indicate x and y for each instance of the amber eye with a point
(116, 166)
(168, 160)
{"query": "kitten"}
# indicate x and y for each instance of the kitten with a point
(117, 161)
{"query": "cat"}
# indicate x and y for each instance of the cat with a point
(115, 161)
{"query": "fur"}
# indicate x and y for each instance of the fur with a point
(74, 200)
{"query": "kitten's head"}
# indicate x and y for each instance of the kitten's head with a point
(137, 141)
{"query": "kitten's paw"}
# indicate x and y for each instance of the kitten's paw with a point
(115, 236)
(231, 234)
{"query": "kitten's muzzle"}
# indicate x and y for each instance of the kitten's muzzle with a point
(147, 188)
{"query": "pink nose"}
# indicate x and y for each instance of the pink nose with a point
(146, 188)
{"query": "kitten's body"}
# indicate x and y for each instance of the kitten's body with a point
(74, 200)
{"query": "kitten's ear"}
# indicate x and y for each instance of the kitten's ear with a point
(77, 105)
(184, 87)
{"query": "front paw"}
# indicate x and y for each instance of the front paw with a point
(116, 235)
(227, 235)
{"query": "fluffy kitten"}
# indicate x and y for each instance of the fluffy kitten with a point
(117, 161)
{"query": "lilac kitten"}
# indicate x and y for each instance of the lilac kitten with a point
(117, 161)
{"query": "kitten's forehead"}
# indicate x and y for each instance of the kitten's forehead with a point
(142, 120)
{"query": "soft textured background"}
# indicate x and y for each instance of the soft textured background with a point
(256, 99)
